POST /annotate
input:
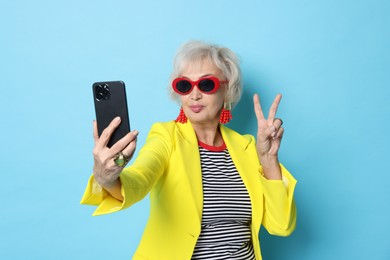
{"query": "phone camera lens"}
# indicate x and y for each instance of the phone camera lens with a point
(102, 92)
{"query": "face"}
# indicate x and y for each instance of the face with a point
(201, 108)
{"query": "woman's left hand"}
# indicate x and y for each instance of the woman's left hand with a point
(269, 133)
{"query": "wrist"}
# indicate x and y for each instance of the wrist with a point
(269, 161)
(111, 184)
(271, 168)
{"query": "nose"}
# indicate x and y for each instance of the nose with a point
(195, 93)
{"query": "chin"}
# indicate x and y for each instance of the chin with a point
(203, 120)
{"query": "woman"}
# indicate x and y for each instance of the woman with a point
(210, 188)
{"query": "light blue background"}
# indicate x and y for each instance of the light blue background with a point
(329, 58)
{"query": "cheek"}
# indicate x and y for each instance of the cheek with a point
(217, 105)
(219, 100)
(183, 99)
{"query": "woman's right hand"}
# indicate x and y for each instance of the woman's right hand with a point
(105, 170)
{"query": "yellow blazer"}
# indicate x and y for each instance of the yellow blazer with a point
(168, 166)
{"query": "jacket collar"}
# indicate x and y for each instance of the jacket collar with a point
(231, 138)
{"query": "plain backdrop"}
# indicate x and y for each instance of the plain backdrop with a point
(330, 60)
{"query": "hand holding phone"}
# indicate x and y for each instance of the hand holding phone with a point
(110, 103)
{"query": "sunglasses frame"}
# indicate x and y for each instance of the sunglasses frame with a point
(217, 84)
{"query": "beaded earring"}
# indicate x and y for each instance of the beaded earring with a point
(182, 117)
(226, 114)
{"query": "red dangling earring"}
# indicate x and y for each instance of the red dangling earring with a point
(226, 114)
(182, 117)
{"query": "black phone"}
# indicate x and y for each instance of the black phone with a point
(110, 102)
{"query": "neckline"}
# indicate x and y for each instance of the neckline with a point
(212, 148)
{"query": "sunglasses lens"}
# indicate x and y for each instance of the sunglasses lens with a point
(183, 86)
(206, 85)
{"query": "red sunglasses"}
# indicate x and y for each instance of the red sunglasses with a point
(207, 85)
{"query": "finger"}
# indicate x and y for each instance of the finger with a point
(279, 134)
(276, 126)
(274, 108)
(278, 123)
(130, 150)
(124, 142)
(107, 132)
(268, 132)
(257, 107)
(95, 132)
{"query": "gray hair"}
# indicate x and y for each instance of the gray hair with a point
(225, 59)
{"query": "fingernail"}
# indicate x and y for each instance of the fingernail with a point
(117, 119)
(135, 132)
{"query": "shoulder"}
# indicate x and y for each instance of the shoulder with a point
(162, 129)
(173, 129)
(163, 126)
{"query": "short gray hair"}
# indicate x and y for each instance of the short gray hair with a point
(225, 59)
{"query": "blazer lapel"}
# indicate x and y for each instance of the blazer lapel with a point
(193, 172)
(245, 159)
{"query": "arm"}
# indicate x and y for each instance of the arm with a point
(136, 180)
(278, 184)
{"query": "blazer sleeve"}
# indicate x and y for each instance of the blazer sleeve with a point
(138, 179)
(279, 206)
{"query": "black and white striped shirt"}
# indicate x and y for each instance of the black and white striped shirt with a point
(226, 217)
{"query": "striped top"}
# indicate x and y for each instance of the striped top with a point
(226, 217)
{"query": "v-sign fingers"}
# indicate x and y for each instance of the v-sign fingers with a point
(274, 109)
(257, 107)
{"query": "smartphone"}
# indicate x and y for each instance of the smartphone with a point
(110, 102)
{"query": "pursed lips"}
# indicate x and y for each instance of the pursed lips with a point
(196, 108)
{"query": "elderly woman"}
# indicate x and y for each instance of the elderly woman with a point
(210, 188)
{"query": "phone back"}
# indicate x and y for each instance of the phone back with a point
(110, 102)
